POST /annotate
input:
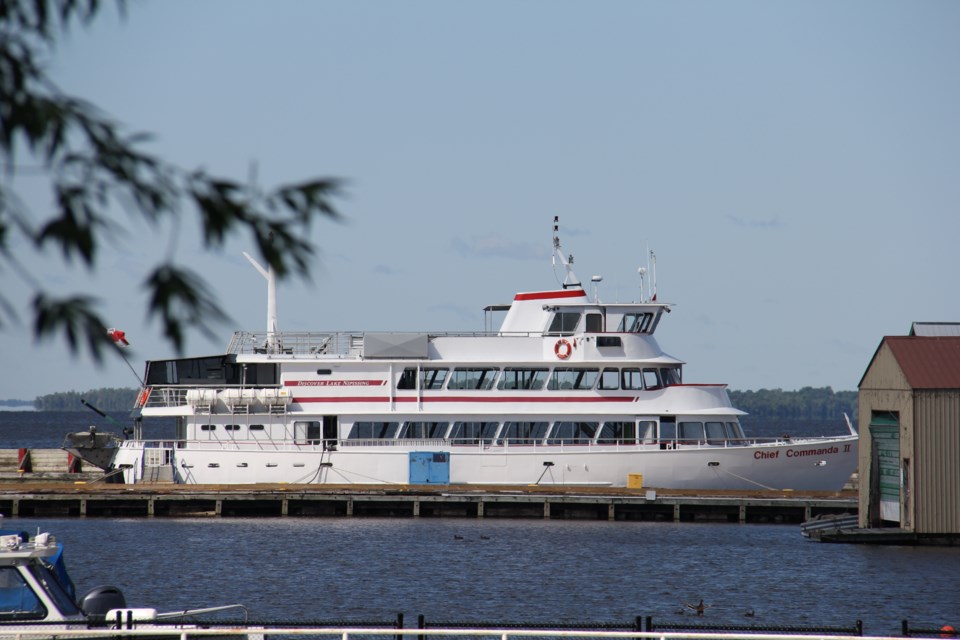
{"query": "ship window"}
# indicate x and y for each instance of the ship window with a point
(690, 432)
(635, 323)
(668, 429)
(564, 323)
(324, 372)
(429, 378)
(670, 375)
(609, 379)
(648, 431)
(594, 323)
(373, 430)
(423, 430)
(308, 429)
(530, 379)
(208, 427)
(733, 431)
(473, 432)
(572, 433)
(651, 379)
(256, 427)
(474, 378)
(632, 379)
(565, 379)
(715, 432)
(617, 433)
(523, 432)
(232, 427)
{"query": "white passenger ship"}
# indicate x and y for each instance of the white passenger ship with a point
(569, 391)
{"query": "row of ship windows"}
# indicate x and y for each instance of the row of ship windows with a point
(531, 432)
(545, 432)
(535, 379)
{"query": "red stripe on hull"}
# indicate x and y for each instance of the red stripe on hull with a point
(341, 399)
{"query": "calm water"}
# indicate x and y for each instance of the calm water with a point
(364, 568)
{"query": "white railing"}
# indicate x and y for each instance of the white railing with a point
(345, 633)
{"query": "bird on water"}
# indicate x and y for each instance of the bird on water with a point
(698, 608)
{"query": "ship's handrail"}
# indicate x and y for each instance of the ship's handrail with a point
(336, 344)
(464, 444)
(345, 633)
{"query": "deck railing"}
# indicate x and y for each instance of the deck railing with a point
(346, 633)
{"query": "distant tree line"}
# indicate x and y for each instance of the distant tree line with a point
(809, 403)
(106, 400)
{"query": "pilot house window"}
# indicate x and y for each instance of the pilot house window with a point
(564, 322)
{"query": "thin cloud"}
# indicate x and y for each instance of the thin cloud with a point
(756, 223)
(497, 246)
(385, 270)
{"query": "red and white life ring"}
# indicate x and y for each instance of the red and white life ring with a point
(562, 349)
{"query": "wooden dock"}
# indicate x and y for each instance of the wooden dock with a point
(24, 497)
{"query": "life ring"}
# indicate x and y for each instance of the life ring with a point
(562, 349)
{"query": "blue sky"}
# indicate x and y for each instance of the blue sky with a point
(794, 165)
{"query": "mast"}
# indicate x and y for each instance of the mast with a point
(272, 328)
(570, 280)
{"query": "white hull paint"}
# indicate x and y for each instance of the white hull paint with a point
(809, 464)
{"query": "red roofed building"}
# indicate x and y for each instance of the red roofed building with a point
(909, 423)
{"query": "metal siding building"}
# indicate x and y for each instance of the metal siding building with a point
(909, 427)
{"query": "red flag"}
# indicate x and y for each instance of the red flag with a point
(119, 337)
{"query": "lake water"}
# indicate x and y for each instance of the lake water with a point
(501, 570)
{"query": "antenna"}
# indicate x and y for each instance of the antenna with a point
(570, 280)
(653, 259)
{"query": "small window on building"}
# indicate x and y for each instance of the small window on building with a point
(523, 379)
(564, 323)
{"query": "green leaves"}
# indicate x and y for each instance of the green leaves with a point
(93, 167)
(179, 298)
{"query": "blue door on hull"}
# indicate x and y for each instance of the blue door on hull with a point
(429, 467)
